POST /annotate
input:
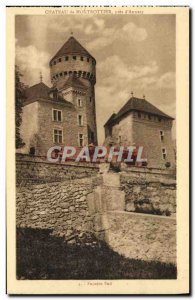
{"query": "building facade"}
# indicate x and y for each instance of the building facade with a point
(64, 114)
(139, 123)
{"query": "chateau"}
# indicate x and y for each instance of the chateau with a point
(139, 123)
(64, 114)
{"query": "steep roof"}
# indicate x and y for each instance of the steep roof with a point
(41, 91)
(71, 46)
(137, 104)
(141, 105)
(110, 120)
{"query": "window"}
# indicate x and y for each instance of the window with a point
(139, 115)
(92, 136)
(82, 58)
(57, 136)
(59, 59)
(159, 119)
(149, 117)
(161, 135)
(61, 74)
(81, 140)
(79, 102)
(87, 59)
(80, 120)
(90, 99)
(66, 58)
(164, 153)
(74, 57)
(57, 115)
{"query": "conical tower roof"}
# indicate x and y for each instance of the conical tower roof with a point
(72, 46)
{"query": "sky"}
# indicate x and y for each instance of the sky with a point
(133, 53)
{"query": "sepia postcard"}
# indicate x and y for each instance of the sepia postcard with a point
(98, 150)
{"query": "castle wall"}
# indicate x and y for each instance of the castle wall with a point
(46, 126)
(29, 130)
(122, 132)
(134, 131)
(87, 110)
(146, 133)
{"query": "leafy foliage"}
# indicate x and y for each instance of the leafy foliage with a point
(19, 99)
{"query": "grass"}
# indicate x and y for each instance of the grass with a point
(43, 256)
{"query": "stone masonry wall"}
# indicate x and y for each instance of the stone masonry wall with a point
(81, 200)
(149, 193)
(59, 206)
(134, 235)
(142, 236)
(38, 170)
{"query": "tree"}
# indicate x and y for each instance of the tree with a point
(19, 99)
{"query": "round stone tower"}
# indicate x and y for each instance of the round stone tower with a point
(73, 73)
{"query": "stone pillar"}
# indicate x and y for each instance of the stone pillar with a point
(106, 197)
